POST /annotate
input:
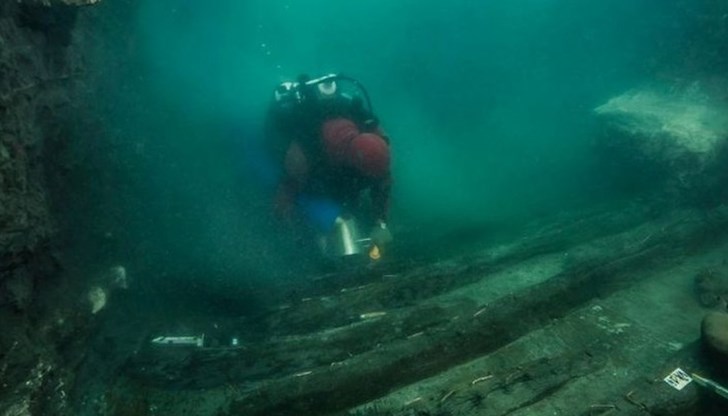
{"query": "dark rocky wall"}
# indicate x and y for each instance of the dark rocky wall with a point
(25, 100)
(39, 71)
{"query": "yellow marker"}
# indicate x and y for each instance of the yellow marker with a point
(374, 253)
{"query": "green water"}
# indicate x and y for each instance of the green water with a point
(488, 104)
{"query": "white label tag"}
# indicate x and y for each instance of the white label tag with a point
(678, 379)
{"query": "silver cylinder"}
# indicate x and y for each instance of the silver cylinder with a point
(345, 240)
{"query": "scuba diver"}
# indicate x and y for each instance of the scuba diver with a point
(335, 161)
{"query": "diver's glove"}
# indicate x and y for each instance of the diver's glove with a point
(380, 235)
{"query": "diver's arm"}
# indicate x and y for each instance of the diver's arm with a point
(380, 234)
(295, 175)
(380, 194)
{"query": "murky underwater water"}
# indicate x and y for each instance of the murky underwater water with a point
(557, 192)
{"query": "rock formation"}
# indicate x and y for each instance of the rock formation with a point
(681, 133)
(37, 75)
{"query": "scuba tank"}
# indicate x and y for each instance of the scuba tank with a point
(289, 95)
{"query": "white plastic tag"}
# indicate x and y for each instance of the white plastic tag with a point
(678, 379)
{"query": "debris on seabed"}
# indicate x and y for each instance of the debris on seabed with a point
(372, 315)
(481, 379)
